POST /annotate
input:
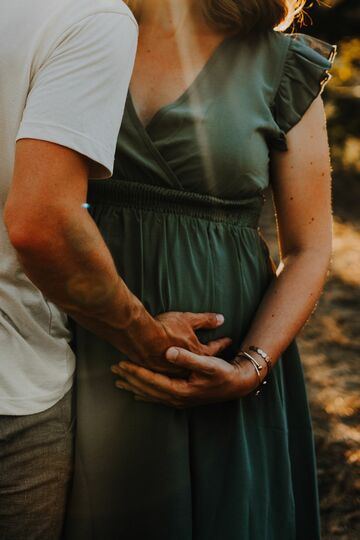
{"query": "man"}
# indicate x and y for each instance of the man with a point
(64, 71)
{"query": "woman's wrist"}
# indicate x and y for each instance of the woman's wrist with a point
(247, 379)
(259, 362)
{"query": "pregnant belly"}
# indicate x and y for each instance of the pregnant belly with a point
(181, 263)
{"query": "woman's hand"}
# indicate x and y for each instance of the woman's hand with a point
(212, 380)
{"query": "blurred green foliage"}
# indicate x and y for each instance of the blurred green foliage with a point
(347, 67)
(343, 108)
(338, 21)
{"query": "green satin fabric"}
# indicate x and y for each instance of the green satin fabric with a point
(180, 218)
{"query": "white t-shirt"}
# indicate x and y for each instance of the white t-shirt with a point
(65, 67)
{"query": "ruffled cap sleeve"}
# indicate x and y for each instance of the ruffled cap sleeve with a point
(304, 76)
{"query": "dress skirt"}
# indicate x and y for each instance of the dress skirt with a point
(240, 470)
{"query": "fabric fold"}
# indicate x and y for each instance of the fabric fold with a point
(304, 76)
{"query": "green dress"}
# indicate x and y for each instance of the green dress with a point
(180, 217)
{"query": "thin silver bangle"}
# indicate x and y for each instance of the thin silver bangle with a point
(256, 366)
(252, 359)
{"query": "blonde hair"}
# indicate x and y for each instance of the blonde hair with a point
(243, 15)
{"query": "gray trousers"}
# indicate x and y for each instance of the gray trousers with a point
(36, 457)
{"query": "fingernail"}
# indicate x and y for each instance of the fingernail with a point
(119, 385)
(172, 354)
(220, 319)
(114, 369)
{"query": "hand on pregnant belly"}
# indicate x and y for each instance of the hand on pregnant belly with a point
(180, 330)
(175, 329)
(211, 380)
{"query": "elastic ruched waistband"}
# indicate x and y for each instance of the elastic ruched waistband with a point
(129, 194)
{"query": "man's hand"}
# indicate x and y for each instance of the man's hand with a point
(64, 255)
(212, 380)
(179, 330)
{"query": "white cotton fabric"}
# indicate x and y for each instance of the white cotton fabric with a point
(65, 67)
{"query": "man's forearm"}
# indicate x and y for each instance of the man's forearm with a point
(64, 254)
(72, 266)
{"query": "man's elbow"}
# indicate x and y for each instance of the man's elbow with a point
(28, 235)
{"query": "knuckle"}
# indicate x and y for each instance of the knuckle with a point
(154, 381)
(181, 394)
(206, 350)
(175, 389)
(212, 366)
(183, 391)
(213, 350)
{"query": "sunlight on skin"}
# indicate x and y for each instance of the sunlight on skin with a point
(194, 97)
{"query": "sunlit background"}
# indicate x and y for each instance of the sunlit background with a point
(330, 342)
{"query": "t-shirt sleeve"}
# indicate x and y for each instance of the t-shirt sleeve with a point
(77, 96)
(304, 76)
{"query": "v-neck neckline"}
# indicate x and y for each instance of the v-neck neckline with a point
(178, 101)
(148, 141)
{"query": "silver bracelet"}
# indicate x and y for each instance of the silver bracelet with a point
(252, 359)
(257, 367)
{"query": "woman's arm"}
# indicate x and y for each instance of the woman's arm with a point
(302, 194)
(301, 182)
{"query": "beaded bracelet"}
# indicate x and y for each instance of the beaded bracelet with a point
(264, 356)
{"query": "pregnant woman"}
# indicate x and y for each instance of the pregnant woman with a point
(221, 105)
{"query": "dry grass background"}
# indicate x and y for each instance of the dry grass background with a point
(330, 347)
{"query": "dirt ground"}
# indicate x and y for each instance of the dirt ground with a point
(330, 347)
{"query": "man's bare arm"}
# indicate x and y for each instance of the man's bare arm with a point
(63, 253)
